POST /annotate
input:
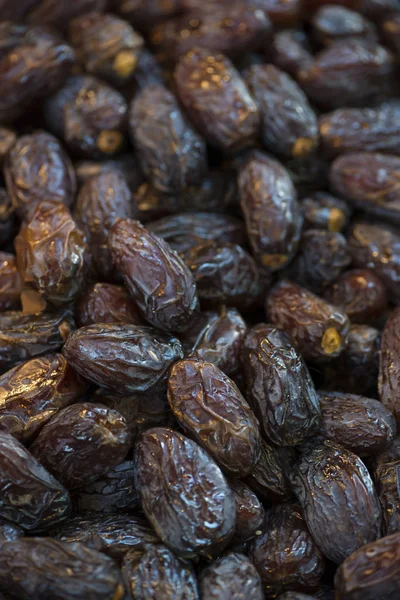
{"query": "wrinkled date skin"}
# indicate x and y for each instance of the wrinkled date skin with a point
(272, 214)
(183, 493)
(153, 572)
(362, 425)
(289, 124)
(330, 480)
(29, 496)
(89, 116)
(360, 293)
(155, 276)
(333, 23)
(232, 576)
(318, 329)
(31, 157)
(123, 358)
(361, 130)
(101, 201)
(23, 336)
(52, 253)
(33, 392)
(249, 512)
(278, 386)
(184, 231)
(172, 155)
(389, 365)
(114, 492)
(216, 99)
(377, 247)
(33, 63)
(106, 303)
(211, 409)
(351, 72)
(217, 337)
(114, 535)
(285, 554)
(371, 572)
(224, 274)
(323, 211)
(10, 282)
(290, 51)
(269, 478)
(386, 475)
(371, 181)
(107, 46)
(51, 570)
(82, 442)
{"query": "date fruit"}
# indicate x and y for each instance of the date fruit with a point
(249, 512)
(106, 303)
(232, 576)
(389, 365)
(323, 211)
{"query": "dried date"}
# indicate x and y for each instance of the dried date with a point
(249, 512)
(106, 303)
(290, 51)
(386, 475)
(10, 283)
(232, 576)
(323, 211)
(389, 365)
(333, 23)
(270, 477)
(183, 493)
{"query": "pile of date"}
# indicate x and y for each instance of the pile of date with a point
(199, 300)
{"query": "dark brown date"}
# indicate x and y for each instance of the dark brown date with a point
(278, 386)
(172, 155)
(114, 492)
(23, 336)
(56, 14)
(389, 365)
(33, 392)
(106, 46)
(269, 478)
(33, 63)
(322, 257)
(37, 168)
(362, 425)
(318, 329)
(106, 303)
(333, 23)
(211, 409)
(269, 204)
(52, 254)
(351, 72)
(8, 225)
(114, 535)
(124, 358)
(145, 14)
(361, 130)
(89, 116)
(101, 201)
(82, 442)
(370, 181)
(153, 572)
(386, 475)
(216, 99)
(45, 568)
(289, 124)
(184, 231)
(224, 273)
(232, 576)
(361, 294)
(155, 276)
(183, 493)
(285, 554)
(249, 512)
(331, 480)
(323, 211)
(290, 51)
(217, 337)
(371, 572)
(10, 283)
(30, 497)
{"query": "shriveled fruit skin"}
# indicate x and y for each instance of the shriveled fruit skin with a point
(183, 493)
(216, 99)
(155, 276)
(232, 576)
(153, 572)
(371, 572)
(270, 477)
(331, 480)
(279, 387)
(318, 329)
(285, 554)
(106, 303)
(272, 214)
(211, 409)
(389, 365)
(249, 511)
(122, 358)
(386, 475)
